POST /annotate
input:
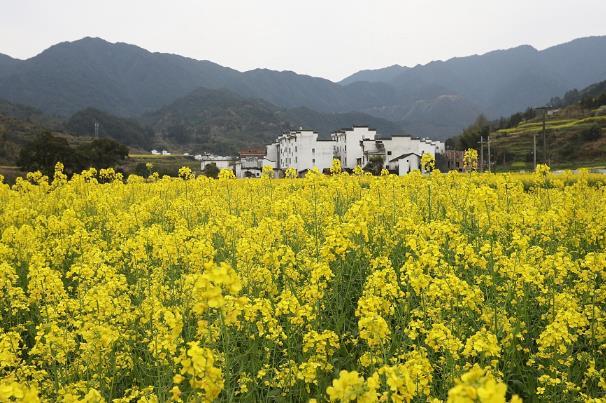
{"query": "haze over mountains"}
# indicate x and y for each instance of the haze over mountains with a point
(437, 100)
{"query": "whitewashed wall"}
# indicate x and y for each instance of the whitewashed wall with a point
(219, 162)
(409, 164)
(347, 145)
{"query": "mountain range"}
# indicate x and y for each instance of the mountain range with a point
(437, 100)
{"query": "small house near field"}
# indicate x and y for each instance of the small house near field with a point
(405, 163)
(219, 161)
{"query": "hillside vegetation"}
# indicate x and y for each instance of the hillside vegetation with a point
(205, 120)
(31, 140)
(123, 130)
(574, 135)
(19, 124)
(221, 121)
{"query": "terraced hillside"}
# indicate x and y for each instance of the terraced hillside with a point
(573, 137)
(570, 133)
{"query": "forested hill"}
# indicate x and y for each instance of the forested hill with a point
(205, 120)
(19, 124)
(223, 122)
(124, 130)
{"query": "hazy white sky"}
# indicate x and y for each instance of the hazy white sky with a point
(327, 38)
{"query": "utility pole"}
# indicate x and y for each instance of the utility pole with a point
(534, 151)
(481, 153)
(488, 153)
(543, 109)
(96, 129)
(544, 138)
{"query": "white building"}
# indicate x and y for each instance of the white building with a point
(440, 147)
(405, 163)
(220, 161)
(155, 152)
(356, 146)
(396, 145)
(301, 150)
(251, 167)
(271, 154)
(360, 145)
(348, 145)
(251, 162)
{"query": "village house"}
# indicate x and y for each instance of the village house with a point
(300, 149)
(251, 163)
(360, 145)
(349, 147)
(221, 162)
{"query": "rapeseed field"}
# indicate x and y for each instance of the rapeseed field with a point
(459, 287)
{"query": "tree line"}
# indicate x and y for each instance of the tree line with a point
(43, 153)
(591, 97)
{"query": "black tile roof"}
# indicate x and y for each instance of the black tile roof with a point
(404, 156)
